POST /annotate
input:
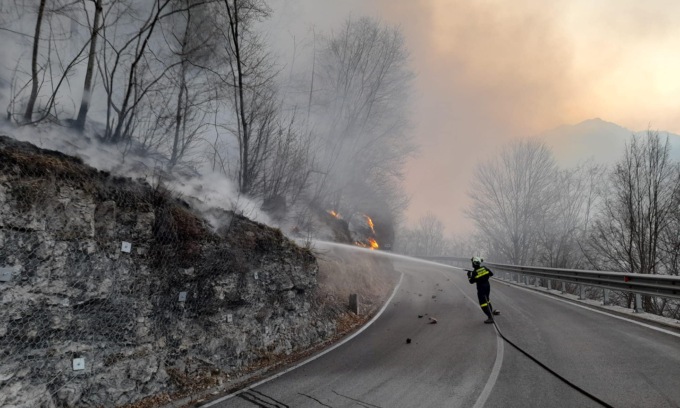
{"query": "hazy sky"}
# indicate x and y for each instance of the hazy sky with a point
(489, 71)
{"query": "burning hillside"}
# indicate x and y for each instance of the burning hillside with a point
(374, 231)
(367, 234)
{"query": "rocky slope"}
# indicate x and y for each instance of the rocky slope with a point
(189, 305)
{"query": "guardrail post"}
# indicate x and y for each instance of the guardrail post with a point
(354, 303)
(603, 282)
(637, 307)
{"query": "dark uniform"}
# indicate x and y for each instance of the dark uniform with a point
(480, 275)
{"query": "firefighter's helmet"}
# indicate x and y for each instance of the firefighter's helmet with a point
(477, 261)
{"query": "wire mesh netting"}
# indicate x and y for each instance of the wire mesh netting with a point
(111, 290)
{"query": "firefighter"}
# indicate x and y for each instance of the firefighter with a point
(480, 275)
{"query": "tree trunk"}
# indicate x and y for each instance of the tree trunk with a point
(179, 116)
(245, 178)
(119, 133)
(87, 87)
(181, 112)
(34, 65)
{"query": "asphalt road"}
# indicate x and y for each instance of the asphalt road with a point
(461, 362)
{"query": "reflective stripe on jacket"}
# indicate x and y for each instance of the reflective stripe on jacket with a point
(481, 274)
(482, 271)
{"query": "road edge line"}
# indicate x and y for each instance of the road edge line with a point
(594, 308)
(497, 364)
(495, 371)
(328, 350)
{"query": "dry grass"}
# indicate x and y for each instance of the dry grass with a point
(43, 164)
(155, 401)
(346, 271)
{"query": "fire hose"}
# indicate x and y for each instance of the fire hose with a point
(548, 369)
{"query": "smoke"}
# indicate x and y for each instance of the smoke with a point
(207, 189)
(61, 39)
(347, 269)
(487, 72)
(492, 71)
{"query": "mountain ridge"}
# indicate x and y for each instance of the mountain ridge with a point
(596, 140)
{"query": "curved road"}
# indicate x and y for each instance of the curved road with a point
(461, 362)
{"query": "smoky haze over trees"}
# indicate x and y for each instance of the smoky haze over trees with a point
(427, 238)
(194, 84)
(512, 194)
(635, 230)
(358, 102)
(529, 212)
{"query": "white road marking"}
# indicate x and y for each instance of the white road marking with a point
(491, 382)
(649, 326)
(328, 350)
(592, 309)
(500, 350)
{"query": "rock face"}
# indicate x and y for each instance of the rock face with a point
(187, 301)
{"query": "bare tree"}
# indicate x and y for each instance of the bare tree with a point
(512, 195)
(670, 249)
(250, 75)
(426, 238)
(464, 245)
(89, 72)
(34, 64)
(360, 103)
(638, 209)
(670, 239)
(638, 206)
(131, 59)
(188, 95)
(53, 59)
(289, 166)
(565, 222)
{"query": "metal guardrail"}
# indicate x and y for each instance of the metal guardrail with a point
(654, 285)
(640, 284)
(447, 259)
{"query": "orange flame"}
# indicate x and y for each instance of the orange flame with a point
(372, 244)
(334, 214)
(370, 222)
